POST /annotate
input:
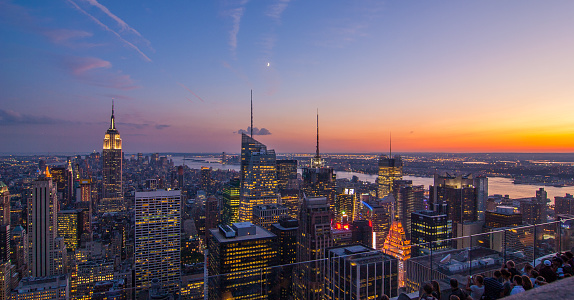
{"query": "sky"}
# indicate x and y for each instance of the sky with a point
(439, 76)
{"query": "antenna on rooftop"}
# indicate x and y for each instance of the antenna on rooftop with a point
(252, 113)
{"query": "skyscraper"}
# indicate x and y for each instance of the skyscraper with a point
(158, 239)
(397, 246)
(62, 177)
(318, 179)
(230, 209)
(562, 205)
(428, 229)
(258, 177)
(286, 232)
(286, 174)
(240, 257)
(409, 199)
(390, 169)
(42, 227)
(313, 237)
(359, 272)
(4, 204)
(112, 157)
(459, 195)
(70, 227)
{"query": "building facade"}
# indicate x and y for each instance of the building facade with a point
(390, 169)
(112, 163)
(158, 239)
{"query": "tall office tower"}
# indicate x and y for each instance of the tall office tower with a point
(379, 212)
(428, 229)
(230, 209)
(63, 179)
(359, 272)
(205, 177)
(287, 174)
(5, 280)
(112, 158)
(70, 227)
(290, 198)
(259, 177)
(5, 237)
(503, 216)
(459, 195)
(158, 239)
(180, 178)
(390, 169)
(42, 227)
(318, 179)
(481, 186)
(313, 237)
(19, 251)
(397, 246)
(267, 215)
(240, 261)
(564, 205)
(211, 212)
(4, 204)
(409, 199)
(345, 205)
(286, 232)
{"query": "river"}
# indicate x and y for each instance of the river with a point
(496, 185)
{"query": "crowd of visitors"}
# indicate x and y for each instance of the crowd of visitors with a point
(506, 281)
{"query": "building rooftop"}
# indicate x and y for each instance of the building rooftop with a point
(260, 233)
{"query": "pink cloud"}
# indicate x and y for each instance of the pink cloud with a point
(80, 65)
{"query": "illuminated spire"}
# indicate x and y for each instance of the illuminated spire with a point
(112, 121)
(252, 113)
(48, 175)
(317, 154)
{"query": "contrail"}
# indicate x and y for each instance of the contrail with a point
(183, 86)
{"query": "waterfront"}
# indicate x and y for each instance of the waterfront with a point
(496, 185)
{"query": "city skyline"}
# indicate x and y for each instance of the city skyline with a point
(442, 77)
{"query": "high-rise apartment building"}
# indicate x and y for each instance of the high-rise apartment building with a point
(428, 229)
(259, 177)
(390, 169)
(562, 205)
(240, 261)
(42, 227)
(205, 178)
(360, 272)
(158, 239)
(313, 237)
(112, 159)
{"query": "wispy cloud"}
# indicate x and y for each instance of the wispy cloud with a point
(80, 65)
(90, 71)
(235, 13)
(105, 27)
(10, 117)
(256, 131)
(69, 37)
(189, 90)
(275, 10)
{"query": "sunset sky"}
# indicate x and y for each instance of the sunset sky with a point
(442, 76)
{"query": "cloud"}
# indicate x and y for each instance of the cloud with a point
(89, 70)
(256, 131)
(105, 27)
(80, 65)
(69, 37)
(235, 14)
(275, 10)
(10, 117)
(183, 86)
(161, 126)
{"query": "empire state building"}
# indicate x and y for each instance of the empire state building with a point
(112, 194)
